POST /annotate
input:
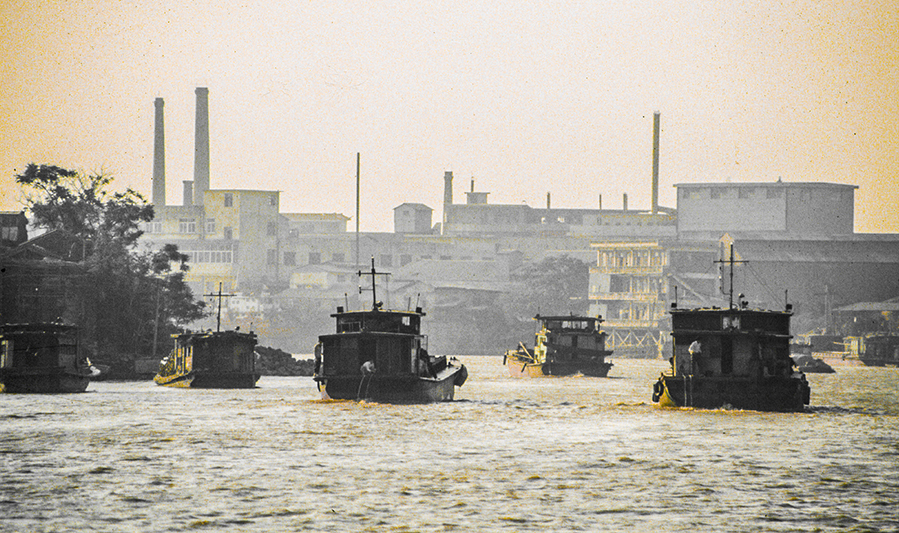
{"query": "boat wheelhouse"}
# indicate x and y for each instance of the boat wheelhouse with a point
(42, 358)
(382, 355)
(563, 346)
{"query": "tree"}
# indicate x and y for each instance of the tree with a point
(554, 286)
(128, 299)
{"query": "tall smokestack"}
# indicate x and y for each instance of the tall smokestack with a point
(159, 156)
(655, 162)
(448, 187)
(201, 145)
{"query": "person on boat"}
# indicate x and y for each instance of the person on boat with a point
(688, 364)
(368, 368)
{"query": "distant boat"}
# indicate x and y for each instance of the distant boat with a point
(210, 360)
(381, 355)
(736, 357)
(811, 365)
(875, 349)
(564, 346)
(42, 358)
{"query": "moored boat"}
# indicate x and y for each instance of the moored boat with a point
(736, 357)
(381, 355)
(875, 349)
(210, 360)
(42, 358)
(563, 346)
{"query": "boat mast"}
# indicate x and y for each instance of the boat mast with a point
(218, 318)
(730, 262)
(374, 296)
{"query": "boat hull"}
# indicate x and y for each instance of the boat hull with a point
(525, 369)
(788, 394)
(394, 389)
(53, 381)
(209, 380)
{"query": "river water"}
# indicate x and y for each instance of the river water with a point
(556, 454)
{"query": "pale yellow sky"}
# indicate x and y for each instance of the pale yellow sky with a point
(526, 97)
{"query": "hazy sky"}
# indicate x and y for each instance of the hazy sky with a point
(524, 97)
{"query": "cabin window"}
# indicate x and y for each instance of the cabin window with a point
(290, 258)
(229, 199)
(228, 233)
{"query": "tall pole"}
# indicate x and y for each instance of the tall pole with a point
(655, 162)
(357, 210)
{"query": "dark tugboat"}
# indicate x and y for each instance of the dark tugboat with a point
(43, 358)
(381, 355)
(564, 346)
(211, 360)
(736, 357)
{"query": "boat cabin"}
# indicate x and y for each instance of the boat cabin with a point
(38, 346)
(731, 342)
(220, 352)
(571, 331)
(378, 320)
(390, 340)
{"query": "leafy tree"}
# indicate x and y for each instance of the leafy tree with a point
(129, 300)
(554, 286)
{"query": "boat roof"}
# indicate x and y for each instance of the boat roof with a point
(379, 312)
(36, 327)
(568, 317)
(212, 334)
(726, 311)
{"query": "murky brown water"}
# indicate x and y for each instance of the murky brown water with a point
(560, 454)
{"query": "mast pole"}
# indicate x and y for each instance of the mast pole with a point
(357, 209)
(731, 303)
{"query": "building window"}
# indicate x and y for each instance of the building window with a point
(229, 233)
(290, 258)
(187, 225)
(315, 258)
(272, 257)
(386, 260)
(210, 225)
(229, 199)
(338, 257)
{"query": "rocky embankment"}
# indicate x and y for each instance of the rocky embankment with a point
(275, 362)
